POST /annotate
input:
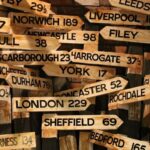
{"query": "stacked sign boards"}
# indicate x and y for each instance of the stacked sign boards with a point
(55, 71)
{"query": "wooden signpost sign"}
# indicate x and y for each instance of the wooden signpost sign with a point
(140, 6)
(6, 69)
(34, 57)
(28, 82)
(31, 6)
(117, 17)
(125, 34)
(79, 71)
(52, 21)
(5, 24)
(27, 42)
(49, 104)
(80, 122)
(18, 141)
(73, 36)
(97, 88)
(79, 37)
(106, 58)
(117, 141)
(136, 94)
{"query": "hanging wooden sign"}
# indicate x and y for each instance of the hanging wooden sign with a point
(116, 141)
(5, 70)
(5, 24)
(106, 58)
(27, 42)
(117, 17)
(79, 71)
(31, 6)
(34, 57)
(140, 6)
(52, 21)
(28, 82)
(98, 88)
(125, 34)
(18, 141)
(81, 122)
(132, 95)
(49, 104)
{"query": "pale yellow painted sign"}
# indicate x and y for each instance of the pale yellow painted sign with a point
(117, 17)
(79, 71)
(80, 122)
(34, 57)
(49, 104)
(117, 141)
(28, 82)
(97, 88)
(132, 95)
(106, 58)
(52, 21)
(125, 34)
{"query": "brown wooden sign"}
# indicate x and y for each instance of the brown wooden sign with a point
(106, 58)
(27, 42)
(6, 69)
(79, 71)
(80, 122)
(125, 34)
(140, 6)
(49, 104)
(5, 24)
(4, 92)
(97, 88)
(132, 95)
(31, 6)
(34, 57)
(52, 21)
(18, 141)
(28, 82)
(116, 141)
(117, 17)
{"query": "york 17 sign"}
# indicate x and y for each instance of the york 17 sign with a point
(81, 122)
